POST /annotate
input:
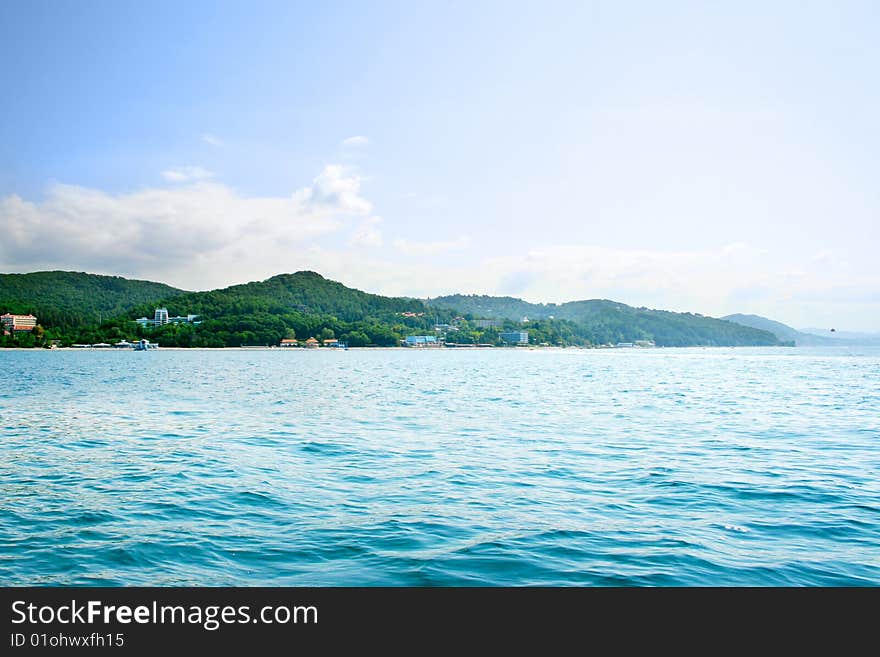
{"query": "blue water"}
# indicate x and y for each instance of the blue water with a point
(421, 467)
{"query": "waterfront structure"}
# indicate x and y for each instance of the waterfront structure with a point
(14, 323)
(312, 343)
(331, 343)
(421, 341)
(289, 342)
(145, 345)
(161, 317)
(515, 337)
(486, 323)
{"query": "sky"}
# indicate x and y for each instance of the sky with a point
(705, 157)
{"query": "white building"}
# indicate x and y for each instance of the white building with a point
(515, 337)
(160, 318)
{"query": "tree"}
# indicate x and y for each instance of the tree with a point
(356, 339)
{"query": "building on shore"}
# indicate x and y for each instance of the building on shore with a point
(486, 323)
(421, 341)
(161, 317)
(312, 343)
(289, 342)
(515, 337)
(15, 323)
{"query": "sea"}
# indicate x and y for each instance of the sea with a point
(425, 467)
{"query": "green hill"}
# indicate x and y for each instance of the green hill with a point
(306, 292)
(482, 305)
(301, 305)
(601, 321)
(67, 299)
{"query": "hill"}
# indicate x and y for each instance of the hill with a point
(481, 305)
(781, 331)
(300, 305)
(306, 292)
(602, 321)
(67, 299)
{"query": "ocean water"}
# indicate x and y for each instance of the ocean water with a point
(421, 467)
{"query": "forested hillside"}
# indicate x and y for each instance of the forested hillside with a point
(68, 299)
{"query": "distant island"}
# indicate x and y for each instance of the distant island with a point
(80, 308)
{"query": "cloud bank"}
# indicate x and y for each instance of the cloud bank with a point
(190, 232)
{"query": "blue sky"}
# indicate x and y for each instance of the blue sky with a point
(688, 156)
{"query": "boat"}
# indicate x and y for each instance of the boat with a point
(144, 345)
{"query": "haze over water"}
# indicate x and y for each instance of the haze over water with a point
(422, 467)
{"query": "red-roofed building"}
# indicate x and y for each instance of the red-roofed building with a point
(18, 322)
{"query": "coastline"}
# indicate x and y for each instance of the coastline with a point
(443, 349)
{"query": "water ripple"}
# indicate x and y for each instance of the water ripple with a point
(652, 467)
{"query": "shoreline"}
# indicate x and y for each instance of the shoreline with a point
(430, 349)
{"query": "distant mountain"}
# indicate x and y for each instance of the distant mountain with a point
(780, 330)
(72, 299)
(785, 332)
(611, 322)
(853, 337)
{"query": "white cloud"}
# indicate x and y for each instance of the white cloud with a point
(213, 140)
(356, 141)
(187, 174)
(368, 234)
(193, 235)
(416, 248)
(334, 190)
